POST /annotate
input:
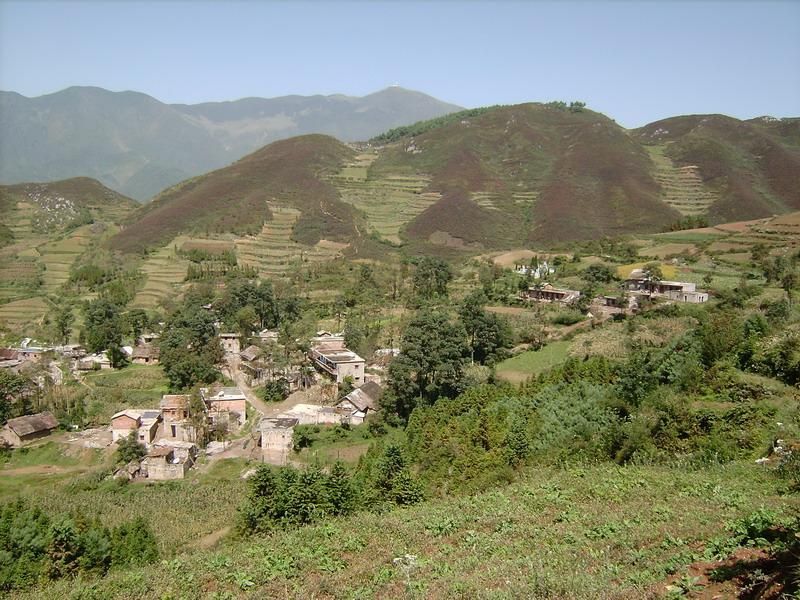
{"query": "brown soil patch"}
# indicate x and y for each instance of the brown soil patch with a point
(749, 573)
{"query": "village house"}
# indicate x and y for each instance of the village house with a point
(30, 427)
(680, 291)
(143, 422)
(328, 353)
(268, 335)
(358, 403)
(548, 293)
(169, 460)
(230, 342)
(93, 362)
(229, 402)
(276, 439)
(175, 417)
(315, 414)
(250, 353)
(145, 355)
(9, 359)
(148, 338)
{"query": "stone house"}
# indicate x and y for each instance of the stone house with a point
(169, 459)
(145, 355)
(230, 342)
(30, 427)
(250, 353)
(361, 401)
(276, 439)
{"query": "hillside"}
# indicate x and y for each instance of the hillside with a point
(137, 145)
(748, 169)
(483, 179)
(245, 196)
(50, 225)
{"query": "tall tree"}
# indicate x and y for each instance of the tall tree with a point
(431, 363)
(431, 278)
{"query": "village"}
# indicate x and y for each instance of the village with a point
(175, 433)
(345, 389)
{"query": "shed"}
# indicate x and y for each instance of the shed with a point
(30, 427)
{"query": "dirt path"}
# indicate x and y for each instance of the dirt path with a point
(212, 539)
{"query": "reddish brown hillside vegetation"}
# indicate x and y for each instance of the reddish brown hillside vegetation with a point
(234, 199)
(754, 165)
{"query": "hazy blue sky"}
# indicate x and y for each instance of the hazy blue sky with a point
(637, 61)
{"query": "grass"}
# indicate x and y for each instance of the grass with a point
(164, 274)
(598, 531)
(519, 368)
(135, 386)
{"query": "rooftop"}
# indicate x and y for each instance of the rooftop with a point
(29, 424)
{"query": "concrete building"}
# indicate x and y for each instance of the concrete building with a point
(548, 293)
(229, 402)
(20, 430)
(329, 354)
(276, 439)
(142, 421)
(680, 291)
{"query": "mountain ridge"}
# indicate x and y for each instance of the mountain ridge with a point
(139, 146)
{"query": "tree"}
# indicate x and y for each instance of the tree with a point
(276, 390)
(788, 284)
(129, 449)
(431, 362)
(598, 273)
(652, 272)
(431, 278)
(244, 320)
(137, 321)
(64, 549)
(63, 320)
(14, 390)
(102, 325)
(133, 544)
(189, 347)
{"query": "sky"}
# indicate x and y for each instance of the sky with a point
(636, 61)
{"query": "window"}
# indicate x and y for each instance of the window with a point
(174, 430)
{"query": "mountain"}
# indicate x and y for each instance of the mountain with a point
(491, 178)
(748, 169)
(135, 144)
(241, 198)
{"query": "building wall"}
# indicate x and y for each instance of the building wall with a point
(161, 470)
(276, 444)
(121, 427)
(236, 406)
(354, 370)
(11, 437)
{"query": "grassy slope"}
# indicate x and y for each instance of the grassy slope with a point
(234, 199)
(595, 531)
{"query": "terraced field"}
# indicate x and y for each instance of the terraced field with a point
(58, 256)
(388, 203)
(21, 313)
(681, 187)
(164, 272)
(272, 252)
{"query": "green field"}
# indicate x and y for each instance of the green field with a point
(581, 532)
(519, 368)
